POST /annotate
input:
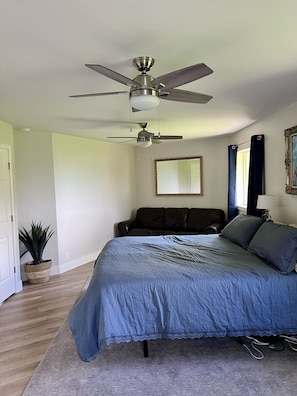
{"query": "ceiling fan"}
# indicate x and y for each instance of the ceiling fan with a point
(146, 138)
(146, 91)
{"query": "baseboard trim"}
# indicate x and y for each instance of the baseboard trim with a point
(69, 265)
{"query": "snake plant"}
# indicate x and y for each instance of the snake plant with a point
(35, 240)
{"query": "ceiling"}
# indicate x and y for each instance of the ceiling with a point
(44, 46)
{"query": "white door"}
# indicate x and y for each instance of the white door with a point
(7, 275)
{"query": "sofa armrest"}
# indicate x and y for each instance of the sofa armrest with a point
(125, 226)
(214, 228)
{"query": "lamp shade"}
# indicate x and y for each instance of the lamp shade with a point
(266, 202)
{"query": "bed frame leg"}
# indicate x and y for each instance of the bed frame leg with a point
(145, 348)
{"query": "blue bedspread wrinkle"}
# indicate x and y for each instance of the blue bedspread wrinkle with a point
(175, 287)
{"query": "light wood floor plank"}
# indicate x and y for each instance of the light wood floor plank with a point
(30, 320)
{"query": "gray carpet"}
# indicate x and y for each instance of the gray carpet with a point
(206, 367)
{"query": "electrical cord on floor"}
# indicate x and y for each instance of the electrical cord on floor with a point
(291, 340)
(275, 343)
(258, 340)
(252, 349)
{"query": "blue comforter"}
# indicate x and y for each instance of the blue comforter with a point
(176, 287)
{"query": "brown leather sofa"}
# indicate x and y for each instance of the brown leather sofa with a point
(177, 221)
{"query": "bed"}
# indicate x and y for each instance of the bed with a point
(239, 283)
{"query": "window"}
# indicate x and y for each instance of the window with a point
(242, 177)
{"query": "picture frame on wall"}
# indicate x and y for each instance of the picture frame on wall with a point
(291, 159)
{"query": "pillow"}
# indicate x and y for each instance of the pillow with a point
(277, 245)
(241, 229)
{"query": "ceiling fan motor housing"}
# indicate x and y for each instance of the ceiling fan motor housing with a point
(143, 92)
(145, 88)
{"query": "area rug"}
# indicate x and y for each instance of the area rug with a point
(206, 367)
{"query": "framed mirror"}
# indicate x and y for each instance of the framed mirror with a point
(179, 176)
(291, 160)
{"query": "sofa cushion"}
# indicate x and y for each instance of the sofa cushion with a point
(149, 232)
(200, 218)
(175, 218)
(150, 218)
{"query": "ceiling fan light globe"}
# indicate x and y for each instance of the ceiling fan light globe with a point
(144, 143)
(144, 102)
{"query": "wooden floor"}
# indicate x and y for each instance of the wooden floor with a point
(29, 321)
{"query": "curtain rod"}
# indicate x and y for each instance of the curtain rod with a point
(240, 144)
(259, 137)
(234, 146)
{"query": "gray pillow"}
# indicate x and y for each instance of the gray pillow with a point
(241, 229)
(277, 245)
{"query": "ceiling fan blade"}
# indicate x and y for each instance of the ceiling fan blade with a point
(183, 76)
(113, 75)
(129, 138)
(167, 137)
(99, 94)
(180, 95)
(127, 141)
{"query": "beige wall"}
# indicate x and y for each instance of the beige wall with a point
(81, 187)
(95, 187)
(6, 134)
(35, 186)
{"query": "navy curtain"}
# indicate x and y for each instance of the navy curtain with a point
(256, 174)
(232, 208)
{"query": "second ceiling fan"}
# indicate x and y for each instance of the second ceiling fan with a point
(146, 91)
(146, 138)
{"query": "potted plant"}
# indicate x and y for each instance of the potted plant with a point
(35, 239)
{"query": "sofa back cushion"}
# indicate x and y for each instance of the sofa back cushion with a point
(200, 218)
(175, 218)
(150, 218)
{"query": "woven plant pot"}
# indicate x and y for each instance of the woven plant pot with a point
(38, 273)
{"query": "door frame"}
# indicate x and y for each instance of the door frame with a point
(15, 236)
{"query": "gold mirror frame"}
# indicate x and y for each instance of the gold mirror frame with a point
(179, 176)
(291, 160)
